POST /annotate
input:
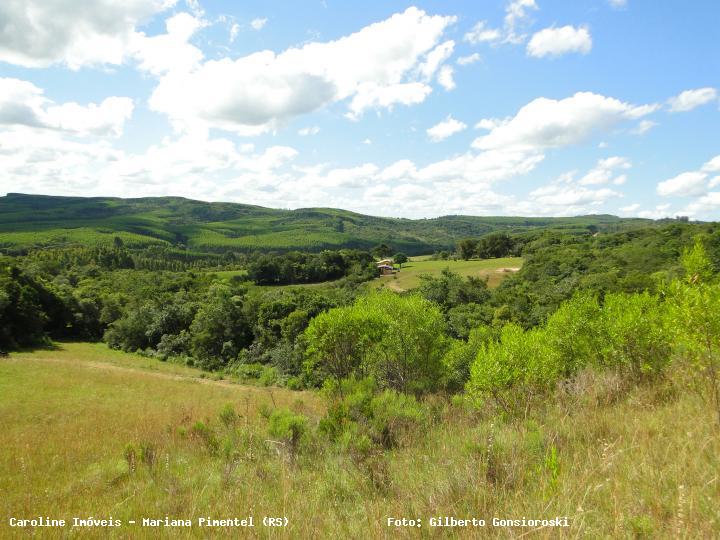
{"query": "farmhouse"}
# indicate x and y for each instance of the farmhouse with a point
(385, 267)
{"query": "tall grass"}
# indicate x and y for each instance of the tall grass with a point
(81, 438)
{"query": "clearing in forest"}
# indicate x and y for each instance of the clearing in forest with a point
(495, 270)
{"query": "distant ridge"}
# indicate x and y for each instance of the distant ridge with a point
(33, 221)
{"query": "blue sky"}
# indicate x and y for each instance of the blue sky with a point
(413, 109)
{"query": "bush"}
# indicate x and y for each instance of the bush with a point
(228, 416)
(289, 427)
(626, 333)
(269, 376)
(393, 417)
(174, 345)
(510, 370)
(574, 333)
(203, 433)
(460, 356)
(249, 371)
(359, 415)
(633, 333)
(399, 340)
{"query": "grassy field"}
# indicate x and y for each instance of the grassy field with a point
(621, 463)
(495, 270)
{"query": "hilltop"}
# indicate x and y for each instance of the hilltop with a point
(33, 221)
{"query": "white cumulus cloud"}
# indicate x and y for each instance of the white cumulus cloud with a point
(38, 33)
(312, 130)
(377, 67)
(691, 183)
(469, 59)
(683, 185)
(170, 51)
(690, 99)
(24, 104)
(445, 129)
(516, 14)
(713, 165)
(259, 23)
(605, 172)
(706, 206)
(643, 127)
(558, 41)
(446, 78)
(548, 123)
(481, 33)
(435, 59)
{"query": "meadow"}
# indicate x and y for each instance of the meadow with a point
(408, 277)
(93, 432)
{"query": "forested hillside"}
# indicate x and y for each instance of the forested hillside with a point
(174, 223)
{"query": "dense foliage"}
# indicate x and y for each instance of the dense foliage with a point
(294, 267)
(398, 340)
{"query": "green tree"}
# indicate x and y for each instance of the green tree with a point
(399, 340)
(695, 317)
(494, 245)
(509, 371)
(381, 251)
(697, 264)
(339, 340)
(466, 248)
(408, 357)
(219, 330)
(400, 258)
(23, 317)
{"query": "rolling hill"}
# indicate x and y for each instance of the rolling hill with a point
(40, 221)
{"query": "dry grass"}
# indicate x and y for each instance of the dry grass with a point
(620, 462)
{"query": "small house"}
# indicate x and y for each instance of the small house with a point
(385, 267)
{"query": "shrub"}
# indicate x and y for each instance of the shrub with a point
(174, 345)
(511, 369)
(289, 427)
(394, 416)
(573, 333)
(633, 334)
(130, 455)
(228, 416)
(269, 376)
(359, 415)
(339, 339)
(249, 371)
(460, 356)
(202, 432)
(148, 454)
(399, 340)
(694, 318)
